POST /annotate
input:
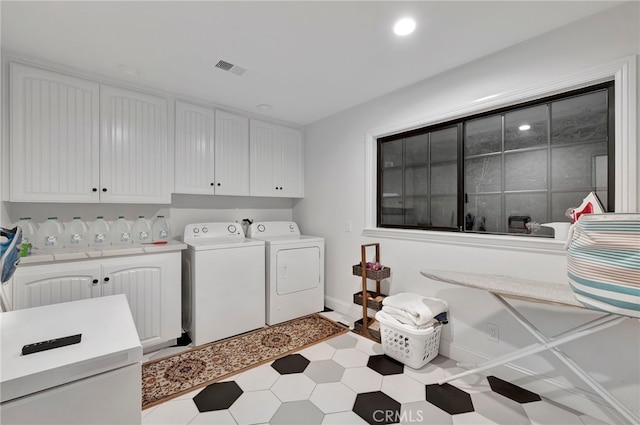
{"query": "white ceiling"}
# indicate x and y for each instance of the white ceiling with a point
(307, 59)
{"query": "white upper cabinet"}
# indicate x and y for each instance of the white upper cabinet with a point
(194, 149)
(54, 137)
(276, 158)
(212, 151)
(232, 154)
(134, 163)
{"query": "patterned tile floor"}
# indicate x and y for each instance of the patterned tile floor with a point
(347, 380)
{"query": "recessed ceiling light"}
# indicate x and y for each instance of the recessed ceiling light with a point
(264, 107)
(129, 70)
(524, 127)
(404, 26)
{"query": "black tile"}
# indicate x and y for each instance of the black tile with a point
(512, 391)
(377, 408)
(449, 398)
(293, 363)
(326, 309)
(218, 396)
(385, 365)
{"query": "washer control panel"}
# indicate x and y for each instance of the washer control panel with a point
(212, 230)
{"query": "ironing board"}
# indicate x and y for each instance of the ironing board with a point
(503, 288)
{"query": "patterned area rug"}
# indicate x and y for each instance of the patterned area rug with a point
(171, 376)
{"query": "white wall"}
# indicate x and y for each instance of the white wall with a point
(335, 184)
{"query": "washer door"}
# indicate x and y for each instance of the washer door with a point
(298, 269)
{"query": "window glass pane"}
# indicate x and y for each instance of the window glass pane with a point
(417, 211)
(526, 128)
(483, 213)
(483, 135)
(483, 174)
(444, 145)
(524, 208)
(581, 167)
(444, 211)
(391, 154)
(579, 119)
(526, 170)
(444, 179)
(416, 149)
(392, 209)
(416, 180)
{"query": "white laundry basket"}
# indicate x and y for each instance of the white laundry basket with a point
(413, 347)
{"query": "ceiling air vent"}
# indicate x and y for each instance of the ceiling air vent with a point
(234, 69)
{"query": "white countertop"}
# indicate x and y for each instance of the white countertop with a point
(109, 341)
(66, 254)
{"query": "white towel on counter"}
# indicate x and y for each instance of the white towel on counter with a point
(413, 309)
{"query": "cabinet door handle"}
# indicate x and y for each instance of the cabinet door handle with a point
(104, 189)
(218, 184)
(95, 281)
(95, 189)
(212, 184)
(106, 279)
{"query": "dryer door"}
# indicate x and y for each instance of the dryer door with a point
(298, 269)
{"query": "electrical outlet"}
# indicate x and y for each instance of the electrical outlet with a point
(493, 332)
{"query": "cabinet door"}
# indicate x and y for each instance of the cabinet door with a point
(40, 285)
(264, 151)
(276, 160)
(231, 154)
(152, 286)
(194, 149)
(134, 164)
(54, 137)
(292, 163)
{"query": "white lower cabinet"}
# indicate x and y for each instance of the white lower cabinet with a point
(151, 283)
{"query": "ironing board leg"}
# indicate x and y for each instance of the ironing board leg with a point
(599, 389)
(551, 344)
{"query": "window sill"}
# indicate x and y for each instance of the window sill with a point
(526, 244)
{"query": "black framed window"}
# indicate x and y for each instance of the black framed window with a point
(497, 171)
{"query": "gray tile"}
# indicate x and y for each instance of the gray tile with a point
(297, 412)
(343, 341)
(322, 371)
(545, 413)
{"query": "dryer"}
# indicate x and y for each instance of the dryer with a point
(223, 282)
(294, 270)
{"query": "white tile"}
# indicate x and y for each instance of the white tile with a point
(471, 383)
(254, 407)
(403, 388)
(544, 413)
(590, 420)
(322, 351)
(471, 418)
(428, 374)
(369, 347)
(351, 357)
(333, 397)
(191, 394)
(423, 412)
(292, 387)
(222, 417)
(343, 418)
(258, 378)
(145, 412)
(172, 412)
(362, 379)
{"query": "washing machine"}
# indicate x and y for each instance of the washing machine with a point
(223, 281)
(294, 270)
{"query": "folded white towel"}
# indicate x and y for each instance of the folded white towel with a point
(413, 308)
(399, 321)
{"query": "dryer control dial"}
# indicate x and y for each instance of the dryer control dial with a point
(205, 230)
(231, 228)
(260, 227)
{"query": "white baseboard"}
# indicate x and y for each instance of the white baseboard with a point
(551, 388)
